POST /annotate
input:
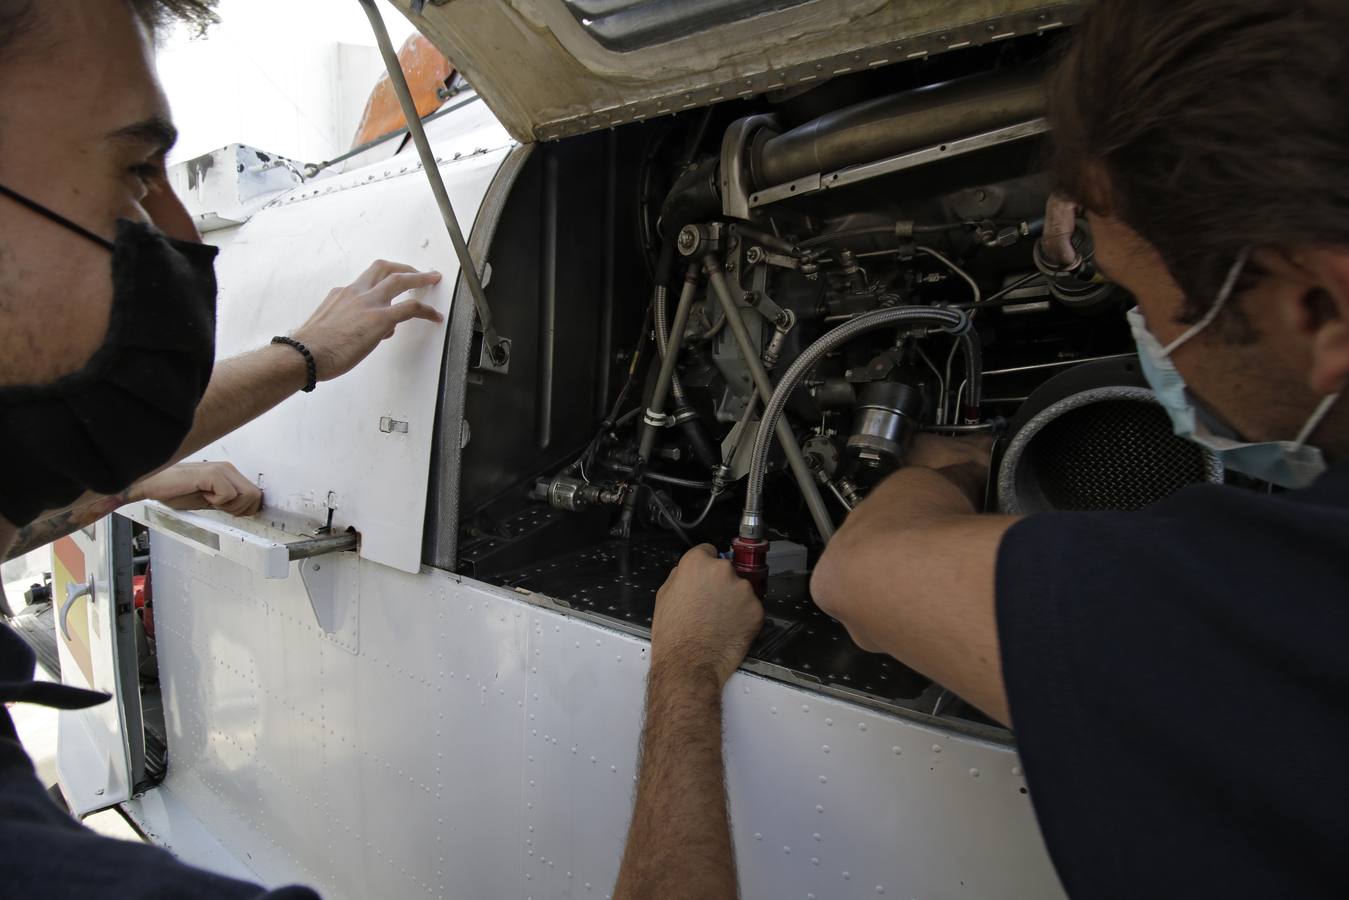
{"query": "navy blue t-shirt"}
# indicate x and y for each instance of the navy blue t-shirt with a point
(1179, 687)
(45, 853)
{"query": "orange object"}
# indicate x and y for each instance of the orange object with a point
(426, 70)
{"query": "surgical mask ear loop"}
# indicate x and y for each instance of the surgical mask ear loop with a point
(1314, 421)
(1224, 294)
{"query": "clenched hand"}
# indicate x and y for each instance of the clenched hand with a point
(201, 485)
(706, 617)
(352, 320)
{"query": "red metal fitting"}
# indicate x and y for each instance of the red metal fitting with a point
(749, 557)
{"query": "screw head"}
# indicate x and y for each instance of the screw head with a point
(688, 239)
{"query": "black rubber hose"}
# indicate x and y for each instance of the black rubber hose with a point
(702, 446)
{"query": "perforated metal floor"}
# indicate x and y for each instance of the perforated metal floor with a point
(619, 580)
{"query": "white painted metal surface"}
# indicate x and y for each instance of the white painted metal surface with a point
(327, 450)
(468, 744)
(93, 763)
(226, 187)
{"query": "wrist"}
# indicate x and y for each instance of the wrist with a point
(678, 673)
(289, 366)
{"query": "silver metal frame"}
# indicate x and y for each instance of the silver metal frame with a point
(809, 184)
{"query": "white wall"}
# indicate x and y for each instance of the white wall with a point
(286, 76)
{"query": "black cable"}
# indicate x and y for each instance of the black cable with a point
(671, 517)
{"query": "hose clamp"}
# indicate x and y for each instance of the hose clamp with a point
(657, 420)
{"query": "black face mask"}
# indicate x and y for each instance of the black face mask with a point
(125, 413)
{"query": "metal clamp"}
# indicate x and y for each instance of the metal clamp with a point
(735, 180)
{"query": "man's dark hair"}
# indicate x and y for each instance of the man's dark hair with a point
(1207, 126)
(157, 13)
(18, 17)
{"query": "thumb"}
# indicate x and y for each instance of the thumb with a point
(220, 492)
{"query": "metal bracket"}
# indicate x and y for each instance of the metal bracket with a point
(266, 556)
(333, 586)
(866, 171)
(492, 357)
(735, 180)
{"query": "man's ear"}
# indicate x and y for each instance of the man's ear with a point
(1323, 317)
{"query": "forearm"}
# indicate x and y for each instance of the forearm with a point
(911, 573)
(58, 525)
(916, 498)
(679, 844)
(242, 388)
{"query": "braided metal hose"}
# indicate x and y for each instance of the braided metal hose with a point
(951, 320)
(663, 346)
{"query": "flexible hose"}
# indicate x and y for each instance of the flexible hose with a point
(954, 321)
(658, 300)
(796, 461)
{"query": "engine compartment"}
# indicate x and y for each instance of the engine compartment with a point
(660, 282)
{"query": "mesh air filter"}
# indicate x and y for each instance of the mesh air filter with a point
(1102, 449)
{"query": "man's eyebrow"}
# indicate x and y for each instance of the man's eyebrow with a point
(155, 132)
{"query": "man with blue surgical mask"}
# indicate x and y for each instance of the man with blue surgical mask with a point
(1176, 677)
(1287, 464)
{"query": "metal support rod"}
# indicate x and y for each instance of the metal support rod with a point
(318, 546)
(795, 459)
(654, 413)
(429, 165)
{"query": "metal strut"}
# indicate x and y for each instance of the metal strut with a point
(497, 349)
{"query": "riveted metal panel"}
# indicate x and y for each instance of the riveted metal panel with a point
(547, 76)
(471, 744)
(273, 273)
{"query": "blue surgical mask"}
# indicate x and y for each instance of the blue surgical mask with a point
(1289, 464)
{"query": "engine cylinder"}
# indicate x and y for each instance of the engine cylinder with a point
(887, 416)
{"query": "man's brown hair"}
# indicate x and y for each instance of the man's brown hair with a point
(1208, 126)
(18, 17)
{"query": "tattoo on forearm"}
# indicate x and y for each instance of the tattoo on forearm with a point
(58, 525)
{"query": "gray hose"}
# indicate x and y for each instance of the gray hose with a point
(796, 461)
(658, 301)
(954, 321)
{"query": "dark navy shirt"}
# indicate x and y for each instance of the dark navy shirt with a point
(1179, 687)
(45, 853)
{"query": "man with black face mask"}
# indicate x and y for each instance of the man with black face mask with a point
(107, 318)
